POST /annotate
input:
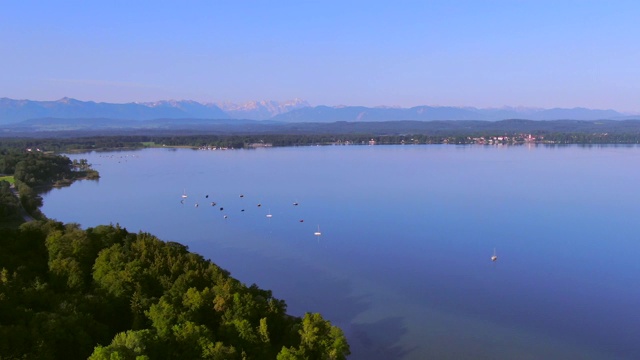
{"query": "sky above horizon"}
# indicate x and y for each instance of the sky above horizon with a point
(405, 53)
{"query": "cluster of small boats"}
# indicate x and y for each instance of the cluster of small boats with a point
(494, 257)
(225, 216)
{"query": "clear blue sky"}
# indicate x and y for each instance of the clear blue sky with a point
(534, 53)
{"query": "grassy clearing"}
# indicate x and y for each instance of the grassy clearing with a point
(149, 144)
(10, 179)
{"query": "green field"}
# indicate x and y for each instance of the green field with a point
(10, 179)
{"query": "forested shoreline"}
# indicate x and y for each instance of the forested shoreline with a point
(25, 171)
(203, 133)
(102, 143)
(106, 293)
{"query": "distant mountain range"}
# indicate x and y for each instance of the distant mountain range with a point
(261, 110)
(12, 111)
(294, 111)
(431, 113)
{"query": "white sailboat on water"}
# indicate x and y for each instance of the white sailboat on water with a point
(184, 193)
(317, 233)
(494, 257)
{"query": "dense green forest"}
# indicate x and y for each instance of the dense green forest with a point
(9, 204)
(105, 293)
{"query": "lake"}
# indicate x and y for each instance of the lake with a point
(407, 232)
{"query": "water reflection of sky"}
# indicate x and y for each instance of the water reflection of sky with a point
(407, 231)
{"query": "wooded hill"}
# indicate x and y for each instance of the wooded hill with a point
(105, 293)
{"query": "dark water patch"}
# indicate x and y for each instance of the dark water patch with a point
(378, 340)
(306, 289)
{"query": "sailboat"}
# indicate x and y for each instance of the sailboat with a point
(184, 193)
(494, 257)
(317, 233)
(269, 214)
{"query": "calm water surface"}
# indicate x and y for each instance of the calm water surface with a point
(403, 263)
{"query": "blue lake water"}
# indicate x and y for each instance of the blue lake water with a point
(403, 263)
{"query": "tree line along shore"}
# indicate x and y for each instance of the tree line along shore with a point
(209, 141)
(106, 293)
(85, 134)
